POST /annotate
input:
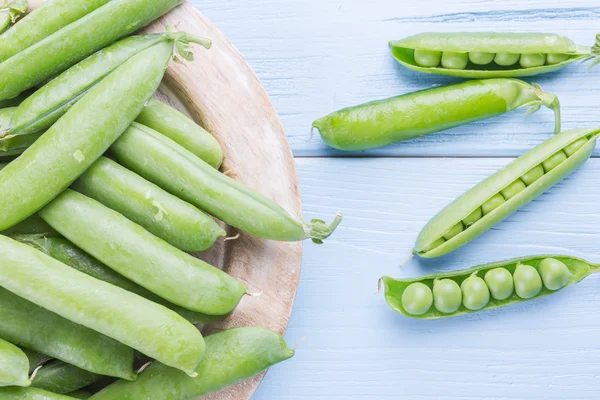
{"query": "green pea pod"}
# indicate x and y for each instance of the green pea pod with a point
(43, 22)
(69, 254)
(494, 199)
(134, 321)
(81, 136)
(175, 169)
(30, 393)
(76, 41)
(14, 366)
(405, 117)
(149, 261)
(231, 356)
(162, 214)
(16, 145)
(395, 289)
(182, 130)
(33, 225)
(35, 359)
(62, 378)
(9, 14)
(30, 326)
(436, 45)
(80, 394)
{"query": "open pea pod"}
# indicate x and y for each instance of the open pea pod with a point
(503, 193)
(490, 55)
(485, 287)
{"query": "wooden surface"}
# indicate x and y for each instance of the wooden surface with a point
(315, 56)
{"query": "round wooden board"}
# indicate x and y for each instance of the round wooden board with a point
(222, 93)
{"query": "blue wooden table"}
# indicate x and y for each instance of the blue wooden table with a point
(316, 56)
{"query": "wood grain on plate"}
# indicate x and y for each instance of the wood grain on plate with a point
(220, 91)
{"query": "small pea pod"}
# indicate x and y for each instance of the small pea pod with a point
(30, 326)
(132, 320)
(9, 14)
(175, 169)
(81, 136)
(481, 55)
(69, 254)
(62, 378)
(14, 366)
(504, 192)
(30, 393)
(486, 287)
(405, 117)
(43, 22)
(231, 356)
(57, 52)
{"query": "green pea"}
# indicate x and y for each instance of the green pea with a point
(481, 58)
(554, 161)
(417, 299)
(506, 59)
(532, 60)
(528, 282)
(427, 58)
(473, 217)
(576, 145)
(447, 296)
(556, 58)
(533, 175)
(452, 60)
(555, 273)
(475, 292)
(436, 244)
(513, 189)
(496, 201)
(456, 229)
(500, 283)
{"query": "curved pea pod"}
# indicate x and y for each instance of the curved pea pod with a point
(395, 288)
(30, 326)
(62, 378)
(69, 254)
(405, 117)
(30, 393)
(518, 44)
(495, 198)
(177, 126)
(76, 41)
(142, 257)
(42, 22)
(9, 14)
(14, 366)
(175, 169)
(132, 320)
(231, 356)
(81, 136)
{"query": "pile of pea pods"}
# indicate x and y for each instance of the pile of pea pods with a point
(103, 192)
(492, 61)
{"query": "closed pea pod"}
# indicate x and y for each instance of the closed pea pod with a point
(496, 289)
(405, 117)
(62, 378)
(491, 55)
(30, 393)
(14, 366)
(35, 359)
(487, 195)
(9, 14)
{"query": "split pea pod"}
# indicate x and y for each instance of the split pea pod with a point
(482, 55)
(76, 41)
(9, 14)
(30, 393)
(69, 254)
(231, 356)
(506, 191)
(175, 169)
(132, 320)
(162, 214)
(63, 378)
(14, 366)
(142, 257)
(405, 117)
(32, 327)
(42, 22)
(484, 287)
(81, 136)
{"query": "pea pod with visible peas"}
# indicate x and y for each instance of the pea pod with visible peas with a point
(490, 55)
(485, 287)
(231, 356)
(405, 117)
(9, 14)
(14, 366)
(506, 191)
(30, 393)
(62, 378)
(132, 320)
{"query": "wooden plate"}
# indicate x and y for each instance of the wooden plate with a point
(222, 93)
